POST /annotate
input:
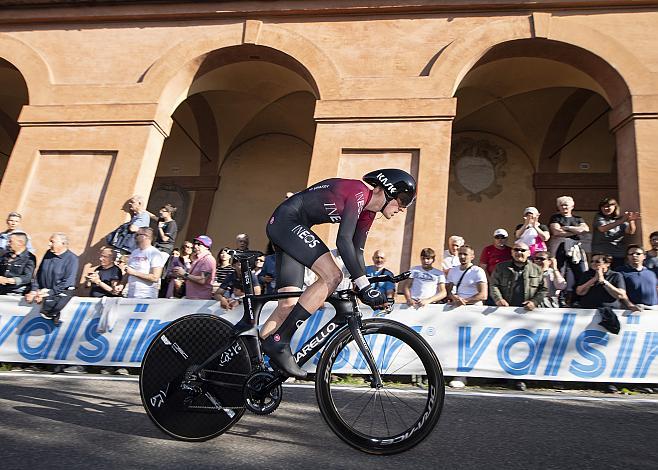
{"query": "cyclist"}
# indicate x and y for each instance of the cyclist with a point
(353, 205)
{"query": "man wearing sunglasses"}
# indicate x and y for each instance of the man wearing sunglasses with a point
(352, 205)
(518, 283)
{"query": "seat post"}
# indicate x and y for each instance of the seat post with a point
(246, 277)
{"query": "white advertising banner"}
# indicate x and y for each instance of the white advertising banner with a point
(546, 344)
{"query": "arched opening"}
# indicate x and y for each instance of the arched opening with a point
(13, 95)
(240, 140)
(531, 125)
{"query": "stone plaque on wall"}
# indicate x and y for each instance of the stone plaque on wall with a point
(476, 167)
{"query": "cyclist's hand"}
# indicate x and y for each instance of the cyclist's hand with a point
(372, 297)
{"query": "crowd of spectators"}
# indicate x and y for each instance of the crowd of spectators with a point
(542, 266)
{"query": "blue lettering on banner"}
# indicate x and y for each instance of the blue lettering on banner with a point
(100, 345)
(41, 350)
(360, 361)
(153, 327)
(6, 330)
(624, 355)
(560, 346)
(126, 339)
(649, 352)
(72, 330)
(387, 352)
(633, 319)
(469, 355)
(535, 341)
(596, 357)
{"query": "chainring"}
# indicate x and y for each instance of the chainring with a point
(256, 400)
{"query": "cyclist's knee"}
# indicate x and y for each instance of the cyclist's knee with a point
(332, 277)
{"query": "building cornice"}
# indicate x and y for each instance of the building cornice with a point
(76, 11)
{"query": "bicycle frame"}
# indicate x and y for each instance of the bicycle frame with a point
(347, 315)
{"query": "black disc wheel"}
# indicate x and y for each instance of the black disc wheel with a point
(187, 399)
(387, 419)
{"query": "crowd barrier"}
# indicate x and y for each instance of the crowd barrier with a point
(545, 344)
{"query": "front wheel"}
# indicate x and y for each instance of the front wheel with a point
(385, 420)
(186, 398)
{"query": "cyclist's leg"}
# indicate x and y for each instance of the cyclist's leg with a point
(292, 274)
(299, 247)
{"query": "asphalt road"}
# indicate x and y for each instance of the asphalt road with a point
(75, 422)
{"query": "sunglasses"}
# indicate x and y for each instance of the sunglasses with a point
(599, 261)
(539, 259)
(500, 237)
(520, 250)
(405, 200)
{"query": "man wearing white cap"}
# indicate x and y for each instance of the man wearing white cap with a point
(531, 232)
(496, 253)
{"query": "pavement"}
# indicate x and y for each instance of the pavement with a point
(91, 421)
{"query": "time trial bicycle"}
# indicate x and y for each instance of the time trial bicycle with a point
(200, 373)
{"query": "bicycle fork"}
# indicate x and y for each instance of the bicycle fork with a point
(355, 324)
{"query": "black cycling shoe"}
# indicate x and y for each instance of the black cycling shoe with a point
(281, 356)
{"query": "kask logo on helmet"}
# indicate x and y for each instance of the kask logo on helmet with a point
(386, 184)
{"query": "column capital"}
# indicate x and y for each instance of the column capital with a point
(633, 108)
(81, 115)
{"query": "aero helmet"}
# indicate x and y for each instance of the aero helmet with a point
(397, 184)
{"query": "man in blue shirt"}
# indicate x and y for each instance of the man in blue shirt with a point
(56, 278)
(378, 269)
(640, 282)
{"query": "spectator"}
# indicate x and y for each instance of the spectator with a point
(17, 266)
(144, 267)
(531, 232)
(378, 269)
(641, 283)
(553, 279)
(566, 230)
(224, 266)
(123, 238)
(610, 230)
(13, 222)
(258, 266)
(653, 240)
(198, 280)
(497, 252)
(167, 229)
(230, 292)
(175, 283)
(426, 283)
(466, 283)
(450, 257)
(56, 278)
(105, 279)
(518, 283)
(601, 286)
(242, 241)
(266, 278)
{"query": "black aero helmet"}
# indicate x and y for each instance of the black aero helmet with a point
(397, 184)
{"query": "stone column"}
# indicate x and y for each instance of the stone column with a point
(73, 167)
(635, 124)
(357, 136)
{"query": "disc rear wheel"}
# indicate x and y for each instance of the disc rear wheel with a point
(173, 393)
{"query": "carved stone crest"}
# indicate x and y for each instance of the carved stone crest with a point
(476, 166)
